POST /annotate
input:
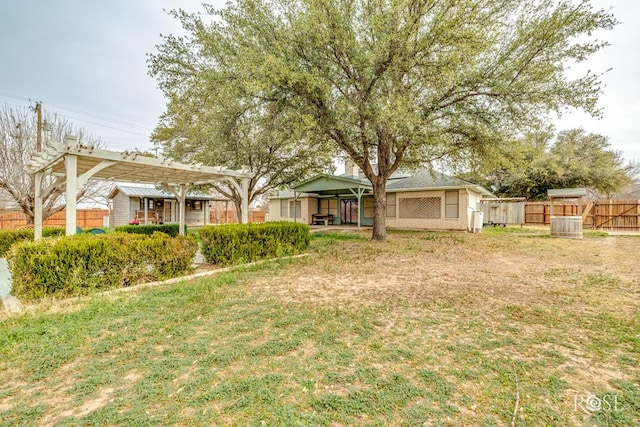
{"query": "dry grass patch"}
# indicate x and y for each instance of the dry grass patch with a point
(424, 329)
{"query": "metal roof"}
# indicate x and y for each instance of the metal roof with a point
(154, 193)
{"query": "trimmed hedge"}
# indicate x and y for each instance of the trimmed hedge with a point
(171, 229)
(76, 265)
(9, 237)
(238, 243)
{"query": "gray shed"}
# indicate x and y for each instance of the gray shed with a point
(503, 211)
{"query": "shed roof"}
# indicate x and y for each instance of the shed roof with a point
(567, 192)
(155, 193)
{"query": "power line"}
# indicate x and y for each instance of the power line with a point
(101, 117)
(135, 128)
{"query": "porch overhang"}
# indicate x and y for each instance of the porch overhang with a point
(330, 185)
(324, 185)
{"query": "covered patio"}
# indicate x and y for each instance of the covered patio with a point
(73, 164)
(339, 199)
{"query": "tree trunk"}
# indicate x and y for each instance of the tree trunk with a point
(379, 209)
(238, 204)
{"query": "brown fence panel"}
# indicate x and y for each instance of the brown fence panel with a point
(256, 216)
(85, 218)
(222, 213)
(604, 215)
(535, 213)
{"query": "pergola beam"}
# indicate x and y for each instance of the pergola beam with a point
(79, 163)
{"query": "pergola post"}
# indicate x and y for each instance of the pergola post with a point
(181, 208)
(245, 200)
(37, 220)
(71, 167)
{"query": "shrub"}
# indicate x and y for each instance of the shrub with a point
(237, 243)
(76, 265)
(9, 237)
(171, 229)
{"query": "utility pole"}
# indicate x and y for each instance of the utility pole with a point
(38, 110)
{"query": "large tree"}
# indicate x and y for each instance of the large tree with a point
(18, 137)
(214, 120)
(395, 82)
(575, 158)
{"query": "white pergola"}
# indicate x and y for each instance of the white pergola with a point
(74, 164)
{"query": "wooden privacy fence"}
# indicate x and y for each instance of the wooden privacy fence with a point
(610, 214)
(539, 213)
(85, 218)
(223, 216)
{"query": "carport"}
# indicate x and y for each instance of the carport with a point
(73, 164)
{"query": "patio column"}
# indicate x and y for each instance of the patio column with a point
(181, 208)
(146, 210)
(245, 200)
(358, 194)
(37, 220)
(71, 166)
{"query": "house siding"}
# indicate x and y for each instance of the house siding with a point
(442, 223)
(121, 210)
(308, 206)
(125, 209)
(197, 218)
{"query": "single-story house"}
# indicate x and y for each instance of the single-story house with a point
(425, 200)
(149, 205)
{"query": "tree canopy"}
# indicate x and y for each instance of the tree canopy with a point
(574, 159)
(18, 131)
(393, 83)
(214, 120)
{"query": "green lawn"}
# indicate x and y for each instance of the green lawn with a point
(425, 329)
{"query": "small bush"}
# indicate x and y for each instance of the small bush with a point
(237, 243)
(171, 229)
(76, 265)
(9, 237)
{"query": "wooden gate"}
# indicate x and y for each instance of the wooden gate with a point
(615, 215)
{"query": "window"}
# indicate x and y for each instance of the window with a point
(323, 206)
(367, 205)
(420, 207)
(295, 210)
(196, 205)
(451, 203)
(328, 206)
(284, 212)
(391, 205)
(150, 204)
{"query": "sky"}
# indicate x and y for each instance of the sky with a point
(86, 60)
